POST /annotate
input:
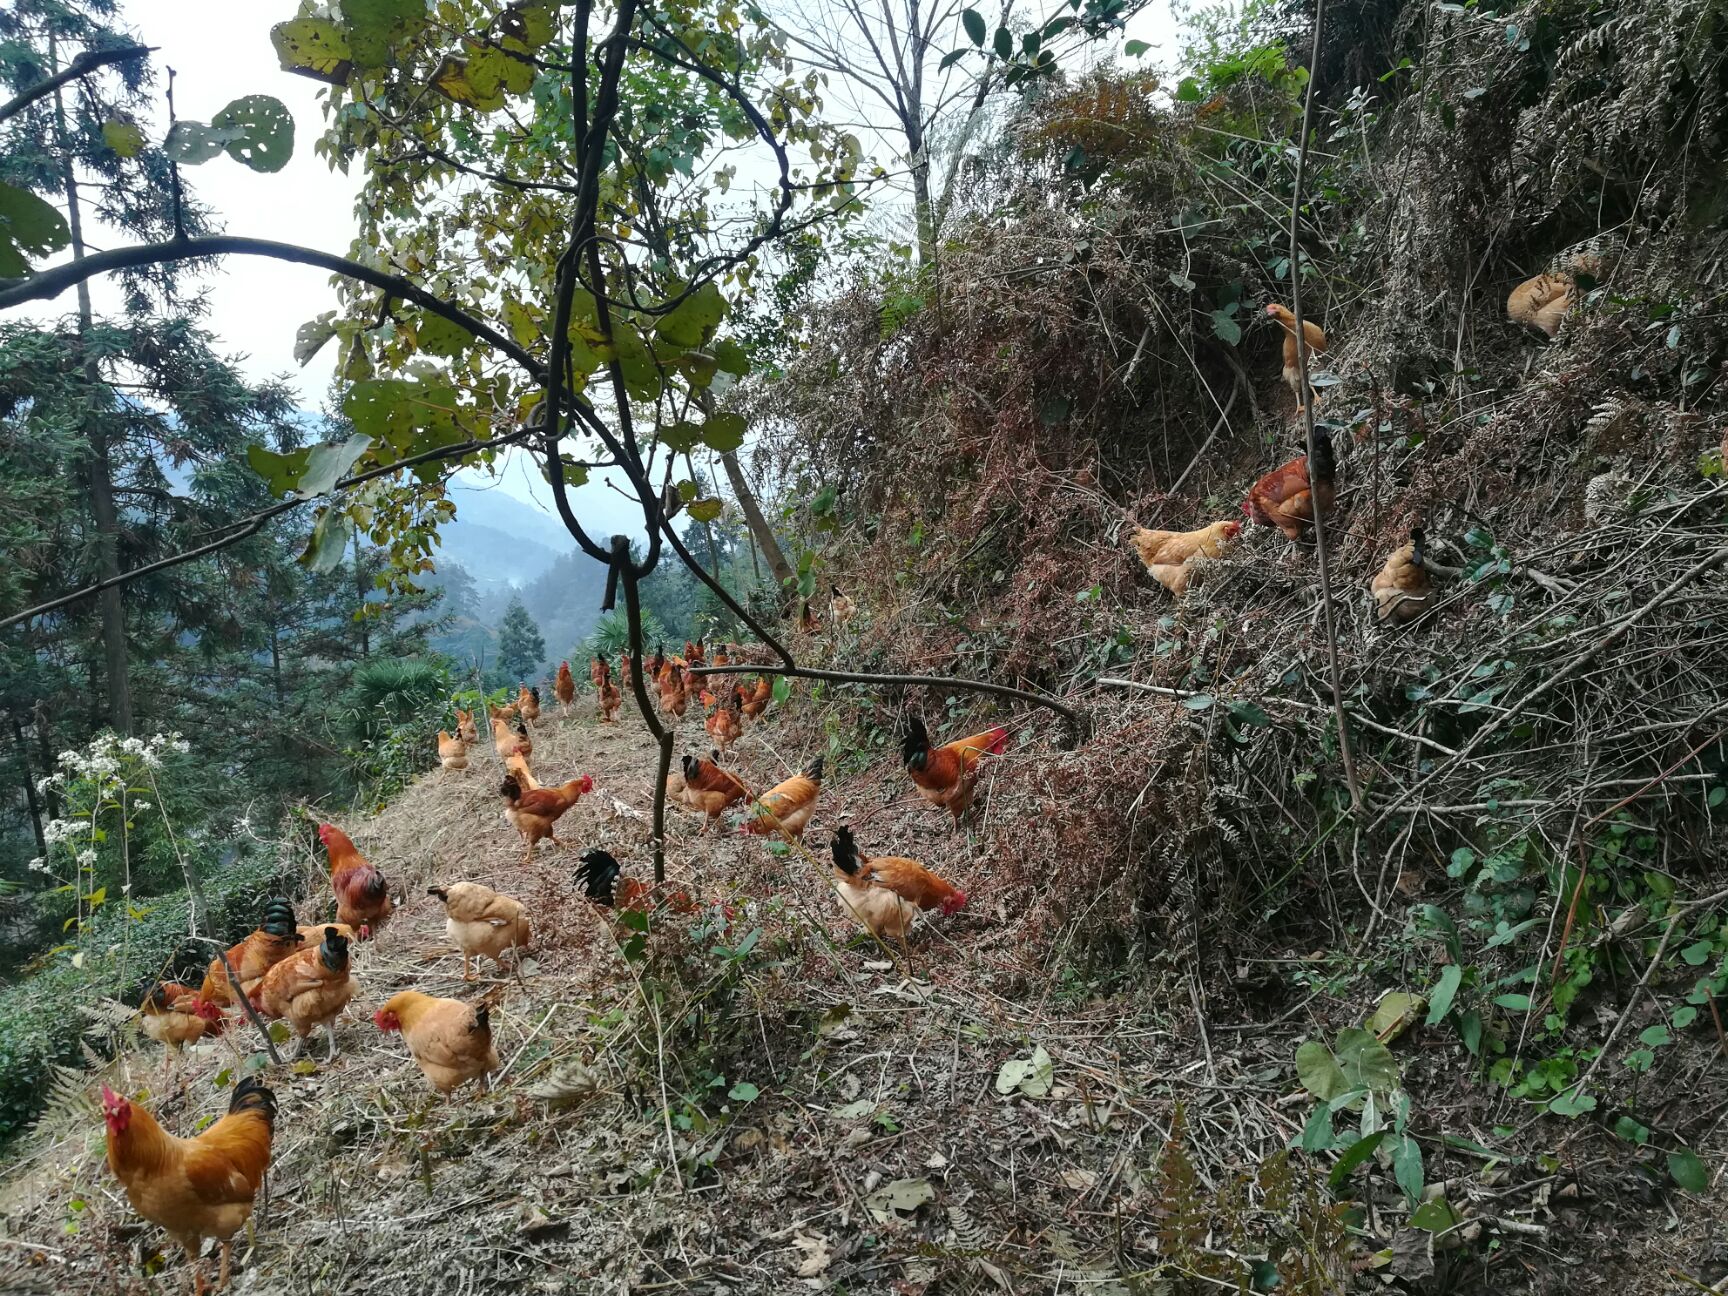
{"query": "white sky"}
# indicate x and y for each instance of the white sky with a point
(221, 50)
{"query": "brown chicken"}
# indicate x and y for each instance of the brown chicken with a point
(757, 702)
(508, 742)
(695, 654)
(1316, 337)
(1284, 498)
(564, 685)
(195, 1188)
(452, 751)
(723, 655)
(726, 725)
(312, 933)
(171, 1018)
(310, 989)
(1402, 588)
(906, 878)
(787, 807)
(610, 699)
(465, 727)
(709, 789)
(528, 703)
(518, 765)
(674, 698)
(1167, 554)
(1542, 302)
(947, 776)
(481, 921)
(841, 608)
(878, 908)
(535, 811)
(451, 1040)
(362, 895)
(599, 670)
(276, 938)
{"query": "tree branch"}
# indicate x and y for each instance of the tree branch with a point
(83, 65)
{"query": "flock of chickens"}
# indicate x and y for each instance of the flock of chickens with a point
(203, 1187)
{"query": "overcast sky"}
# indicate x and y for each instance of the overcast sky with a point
(221, 50)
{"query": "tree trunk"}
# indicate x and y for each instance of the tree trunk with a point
(360, 590)
(110, 605)
(30, 788)
(922, 205)
(760, 532)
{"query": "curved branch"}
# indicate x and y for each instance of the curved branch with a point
(50, 283)
(84, 64)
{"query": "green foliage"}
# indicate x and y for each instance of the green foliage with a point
(521, 650)
(611, 637)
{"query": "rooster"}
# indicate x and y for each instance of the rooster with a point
(1285, 497)
(1402, 589)
(1167, 554)
(480, 921)
(535, 811)
(362, 895)
(947, 776)
(452, 751)
(450, 1040)
(200, 1187)
(276, 938)
(709, 789)
(598, 877)
(787, 806)
(1316, 338)
(906, 878)
(754, 705)
(674, 698)
(564, 686)
(695, 654)
(310, 989)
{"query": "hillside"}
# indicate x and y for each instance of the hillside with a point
(500, 541)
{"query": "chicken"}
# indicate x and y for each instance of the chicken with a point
(310, 989)
(528, 704)
(275, 939)
(508, 742)
(599, 671)
(726, 725)
(564, 686)
(878, 908)
(947, 776)
(695, 654)
(841, 608)
(626, 670)
(465, 728)
(807, 621)
(1316, 337)
(482, 921)
(787, 807)
(674, 698)
(1167, 554)
(196, 1188)
(451, 1040)
(723, 655)
(610, 699)
(709, 789)
(506, 712)
(518, 766)
(598, 876)
(362, 895)
(754, 705)
(314, 932)
(1402, 589)
(906, 878)
(171, 1018)
(1284, 498)
(452, 751)
(535, 811)
(1542, 302)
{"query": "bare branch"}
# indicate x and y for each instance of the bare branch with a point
(83, 65)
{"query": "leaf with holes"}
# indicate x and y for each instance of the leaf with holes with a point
(29, 227)
(902, 1196)
(313, 47)
(706, 510)
(453, 82)
(265, 138)
(376, 29)
(192, 143)
(123, 137)
(310, 337)
(441, 337)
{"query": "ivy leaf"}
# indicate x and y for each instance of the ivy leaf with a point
(1571, 1104)
(266, 132)
(744, 1091)
(973, 22)
(724, 432)
(706, 510)
(123, 138)
(1688, 1170)
(29, 227)
(313, 47)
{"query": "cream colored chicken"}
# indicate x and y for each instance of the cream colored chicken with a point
(480, 922)
(1168, 554)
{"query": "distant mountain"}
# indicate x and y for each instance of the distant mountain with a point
(501, 541)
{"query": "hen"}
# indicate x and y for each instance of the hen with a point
(480, 921)
(754, 705)
(564, 685)
(508, 742)
(276, 938)
(451, 1040)
(465, 727)
(171, 1018)
(878, 908)
(452, 751)
(196, 1188)
(610, 699)
(528, 704)
(1402, 588)
(1542, 302)
(1316, 338)
(947, 776)
(1285, 498)
(787, 806)
(841, 608)
(710, 789)
(726, 725)
(1167, 554)
(362, 895)
(310, 989)
(535, 811)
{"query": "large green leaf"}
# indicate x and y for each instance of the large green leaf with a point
(376, 29)
(329, 540)
(313, 47)
(309, 472)
(192, 143)
(694, 319)
(681, 437)
(29, 227)
(1317, 1068)
(1359, 1061)
(441, 337)
(380, 408)
(732, 357)
(706, 510)
(493, 73)
(123, 137)
(266, 139)
(723, 432)
(281, 472)
(453, 82)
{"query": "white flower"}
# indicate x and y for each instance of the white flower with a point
(86, 857)
(46, 782)
(133, 746)
(69, 758)
(140, 805)
(38, 865)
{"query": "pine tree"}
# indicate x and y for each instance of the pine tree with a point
(521, 650)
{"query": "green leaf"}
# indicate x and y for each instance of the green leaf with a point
(1188, 91)
(1407, 1169)
(973, 22)
(1698, 953)
(123, 137)
(281, 471)
(192, 143)
(744, 1091)
(1655, 1036)
(1318, 1070)
(380, 408)
(1365, 1061)
(1434, 1216)
(782, 688)
(1445, 991)
(1462, 859)
(724, 432)
(377, 28)
(1199, 702)
(29, 227)
(950, 59)
(1513, 1002)
(1135, 48)
(1684, 1016)
(1470, 1031)
(1441, 921)
(681, 437)
(452, 81)
(1004, 44)
(1688, 1170)
(309, 472)
(1224, 328)
(1029, 1076)
(310, 337)
(441, 337)
(329, 540)
(313, 47)
(731, 357)
(266, 132)
(694, 319)
(305, 1066)
(1357, 1153)
(1572, 1103)
(279, 1032)
(706, 510)
(1317, 1134)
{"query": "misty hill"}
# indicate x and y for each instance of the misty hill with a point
(500, 541)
